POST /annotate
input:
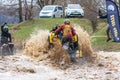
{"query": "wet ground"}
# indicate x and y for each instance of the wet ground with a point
(21, 67)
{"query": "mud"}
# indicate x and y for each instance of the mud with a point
(21, 67)
(37, 47)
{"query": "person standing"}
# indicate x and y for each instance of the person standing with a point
(108, 33)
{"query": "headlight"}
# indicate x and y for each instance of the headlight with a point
(68, 11)
(54, 39)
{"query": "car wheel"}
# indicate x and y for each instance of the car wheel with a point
(66, 16)
(53, 16)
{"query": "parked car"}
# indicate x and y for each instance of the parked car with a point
(73, 10)
(51, 11)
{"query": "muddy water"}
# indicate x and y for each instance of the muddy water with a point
(37, 45)
(84, 42)
(21, 67)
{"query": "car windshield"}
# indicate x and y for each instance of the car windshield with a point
(74, 6)
(48, 8)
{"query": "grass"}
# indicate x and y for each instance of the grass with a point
(100, 43)
(98, 39)
(27, 27)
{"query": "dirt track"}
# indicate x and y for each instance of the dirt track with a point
(20, 67)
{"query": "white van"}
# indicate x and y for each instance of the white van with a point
(74, 10)
(51, 11)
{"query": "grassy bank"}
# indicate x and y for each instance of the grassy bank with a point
(23, 30)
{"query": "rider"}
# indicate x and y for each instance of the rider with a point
(5, 35)
(67, 31)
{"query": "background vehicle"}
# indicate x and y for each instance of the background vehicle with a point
(6, 47)
(51, 11)
(73, 10)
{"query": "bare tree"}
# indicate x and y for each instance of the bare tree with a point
(91, 8)
(42, 3)
(28, 10)
(91, 11)
(25, 10)
(14, 8)
(20, 11)
(52, 1)
(1, 7)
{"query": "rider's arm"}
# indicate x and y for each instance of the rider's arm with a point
(73, 31)
(58, 29)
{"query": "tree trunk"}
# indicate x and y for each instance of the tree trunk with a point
(94, 25)
(26, 8)
(20, 11)
(41, 3)
(30, 10)
(91, 12)
(52, 2)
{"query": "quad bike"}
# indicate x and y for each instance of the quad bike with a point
(70, 46)
(52, 39)
(6, 47)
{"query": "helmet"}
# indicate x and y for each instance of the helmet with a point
(5, 23)
(5, 29)
(67, 21)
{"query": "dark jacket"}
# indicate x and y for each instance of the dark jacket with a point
(5, 34)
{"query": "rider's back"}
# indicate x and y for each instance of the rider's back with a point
(67, 31)
(5, 35)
